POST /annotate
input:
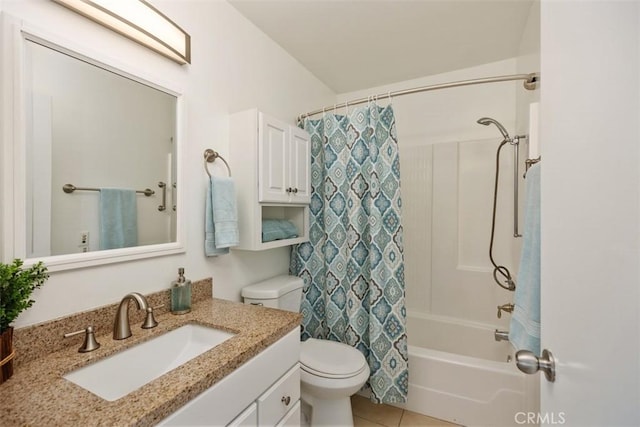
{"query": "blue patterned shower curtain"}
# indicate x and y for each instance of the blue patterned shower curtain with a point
(353, 265)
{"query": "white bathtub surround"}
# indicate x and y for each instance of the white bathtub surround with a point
(459, 373)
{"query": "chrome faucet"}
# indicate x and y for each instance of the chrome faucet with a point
(121, 328)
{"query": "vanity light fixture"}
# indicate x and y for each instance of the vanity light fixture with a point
(139, 21)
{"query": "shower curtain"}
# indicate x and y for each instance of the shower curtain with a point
(352, 265)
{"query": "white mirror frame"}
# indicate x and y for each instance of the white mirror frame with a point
(13, 153)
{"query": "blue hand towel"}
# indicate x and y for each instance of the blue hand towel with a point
(118, 218)
(278, 229)
(221, 226)
(524, 330)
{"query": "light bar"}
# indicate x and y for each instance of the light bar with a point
(138, 21)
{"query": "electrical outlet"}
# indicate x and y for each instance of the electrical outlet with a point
(84, 238)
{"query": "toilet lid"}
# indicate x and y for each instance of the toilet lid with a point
(331, 359)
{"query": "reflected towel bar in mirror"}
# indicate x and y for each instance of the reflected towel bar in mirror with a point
(70, 188)
(210, 156)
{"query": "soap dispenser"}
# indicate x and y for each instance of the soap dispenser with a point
(181, 294)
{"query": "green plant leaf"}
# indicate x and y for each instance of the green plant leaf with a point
(16, 286)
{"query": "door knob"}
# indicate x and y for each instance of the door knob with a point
(529, 363)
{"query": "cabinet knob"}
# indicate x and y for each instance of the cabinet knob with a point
(295, 190)
(286, 400)
(289, 190)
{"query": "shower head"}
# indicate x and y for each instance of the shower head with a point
(488, 120)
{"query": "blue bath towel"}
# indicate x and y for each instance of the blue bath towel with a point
(221, 226)
(118, 218)
(524, 330)
(278, 229)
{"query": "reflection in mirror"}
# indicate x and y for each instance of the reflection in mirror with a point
(106, 134)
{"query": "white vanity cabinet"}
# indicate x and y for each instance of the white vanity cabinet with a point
(264, 391)
(273, 178)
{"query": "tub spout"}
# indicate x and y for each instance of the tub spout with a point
(501, 335)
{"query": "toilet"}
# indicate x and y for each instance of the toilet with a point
(330, 371)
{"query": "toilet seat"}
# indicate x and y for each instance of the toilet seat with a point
(330, 359)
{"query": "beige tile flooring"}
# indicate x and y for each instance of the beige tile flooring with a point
(367, 414)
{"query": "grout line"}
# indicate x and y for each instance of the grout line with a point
(401, 417)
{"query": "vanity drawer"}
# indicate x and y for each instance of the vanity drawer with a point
(279, 398)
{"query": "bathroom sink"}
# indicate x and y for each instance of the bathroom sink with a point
(118, 375)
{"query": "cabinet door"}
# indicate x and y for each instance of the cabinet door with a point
(300, 168)
(273, 160)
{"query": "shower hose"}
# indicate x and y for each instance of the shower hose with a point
(499, 270)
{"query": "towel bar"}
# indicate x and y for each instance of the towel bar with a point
(70, 188)
(210, 156)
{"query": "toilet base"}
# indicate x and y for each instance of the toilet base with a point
(329, 412)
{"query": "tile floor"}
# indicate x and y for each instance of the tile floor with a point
(367, 414)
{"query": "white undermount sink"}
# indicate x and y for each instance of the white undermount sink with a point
(118, 375)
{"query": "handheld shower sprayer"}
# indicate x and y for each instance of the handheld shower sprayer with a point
(488, 120)
(507, 281)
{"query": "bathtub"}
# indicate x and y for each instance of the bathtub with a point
(459, 373)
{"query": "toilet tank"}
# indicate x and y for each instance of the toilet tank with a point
(283, 292)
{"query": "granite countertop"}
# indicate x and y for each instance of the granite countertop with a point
(37, 395)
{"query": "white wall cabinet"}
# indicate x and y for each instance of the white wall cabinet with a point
(273, 160)
(284, 162)
(265, 391)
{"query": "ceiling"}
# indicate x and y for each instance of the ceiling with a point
(358, 44)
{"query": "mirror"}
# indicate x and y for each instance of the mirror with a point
(93, 135)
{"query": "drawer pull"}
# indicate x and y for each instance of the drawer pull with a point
(286, 400)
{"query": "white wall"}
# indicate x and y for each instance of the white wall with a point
(448, 165)
(528, 61)
(234, 67)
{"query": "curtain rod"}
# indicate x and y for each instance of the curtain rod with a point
(530, 83)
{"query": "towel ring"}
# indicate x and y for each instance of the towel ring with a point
(210, 156)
